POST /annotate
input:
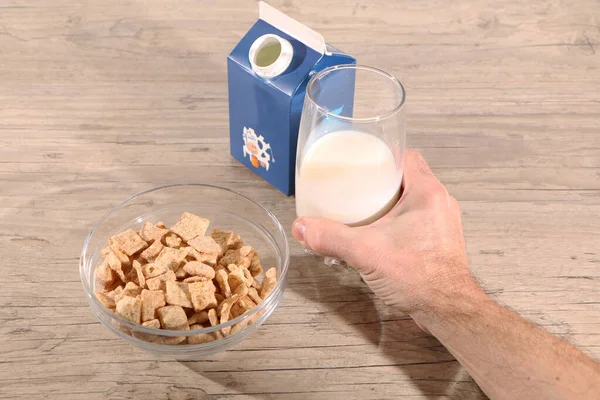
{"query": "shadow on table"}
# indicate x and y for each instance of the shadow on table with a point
(351, 310)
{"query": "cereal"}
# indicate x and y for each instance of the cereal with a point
(150, 254)
(255, 267)
(152, 233)
(115, 265)
(153, 270)
(130, 308)
(190, 226)
(181, 274)
(122, 257)
(105, 276)
(171, 258)
(172, 240)
(202, 337)
(158, 283)
(241, 257)
(223, 280)
(237, 243)
(106, 300)
(235, 277)
(115, 292)
(180, 279)
(153, 323)
(241, 290)
(203, 295)
(129, 242)
(225, 312)
(228, 302)
(151, 301)
(250, 280)
(223, 238)
(243, 305)
(131, 290)
(196, 268)
(137, 275)
(193, 279)
(214, 320)
(253, 294)
(269, 282)
(178, 294)
(198, 318)
(208, 249)
(172, 317)
(219, 297)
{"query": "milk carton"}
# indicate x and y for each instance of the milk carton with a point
(268, 72)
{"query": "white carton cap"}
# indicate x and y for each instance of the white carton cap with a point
(270, 55)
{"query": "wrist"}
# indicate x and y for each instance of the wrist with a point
(463, 299)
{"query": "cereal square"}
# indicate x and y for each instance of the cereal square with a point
(223, 281)
(254, 296)
(198, 318)
(152, 233)
(115, 265)
(158, 282)
(243, 305)
(181, 273)
(153, 323)
(203, 295)
(207, 247)
(235, 277)
(223, 238)
(153, 270)
(150, 254)
(171, 258)
(151, 301)
(136, 275)
(130, 308)
(201, 337)
(172, 240)
(129, 242)
(131, 290)
(178, 294)
(241, 257)
(172, 317)
(125, 261)
(255, 267)
(269, 282)
(190, 226)
(106, 300)
(196, 268)
(105, 276)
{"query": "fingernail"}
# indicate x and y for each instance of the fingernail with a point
(298, 229)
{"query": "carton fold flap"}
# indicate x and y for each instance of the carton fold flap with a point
(295, 29)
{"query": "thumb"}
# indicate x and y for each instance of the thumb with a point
(325, 237)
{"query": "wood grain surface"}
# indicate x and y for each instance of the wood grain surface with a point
(102, 99)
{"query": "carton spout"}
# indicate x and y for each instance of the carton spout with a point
(270, 55)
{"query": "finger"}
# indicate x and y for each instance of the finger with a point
(325, 237)
(416, 171)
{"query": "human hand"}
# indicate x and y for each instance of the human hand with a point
(412, 258)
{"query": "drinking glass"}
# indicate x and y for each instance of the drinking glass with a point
(350, 155)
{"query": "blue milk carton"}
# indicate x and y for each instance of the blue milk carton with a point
(267, 75)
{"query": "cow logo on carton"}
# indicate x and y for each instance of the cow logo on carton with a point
(257, 149)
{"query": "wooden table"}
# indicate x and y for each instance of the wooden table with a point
(103, 99)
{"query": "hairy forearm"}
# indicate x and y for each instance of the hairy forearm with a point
(509, 357)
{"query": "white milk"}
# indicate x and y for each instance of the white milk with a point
(347, 176)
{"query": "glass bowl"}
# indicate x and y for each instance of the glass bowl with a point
(226, 210)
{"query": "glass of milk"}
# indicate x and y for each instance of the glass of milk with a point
(351, 145)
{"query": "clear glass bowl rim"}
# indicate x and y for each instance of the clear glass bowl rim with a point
(171, 333)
